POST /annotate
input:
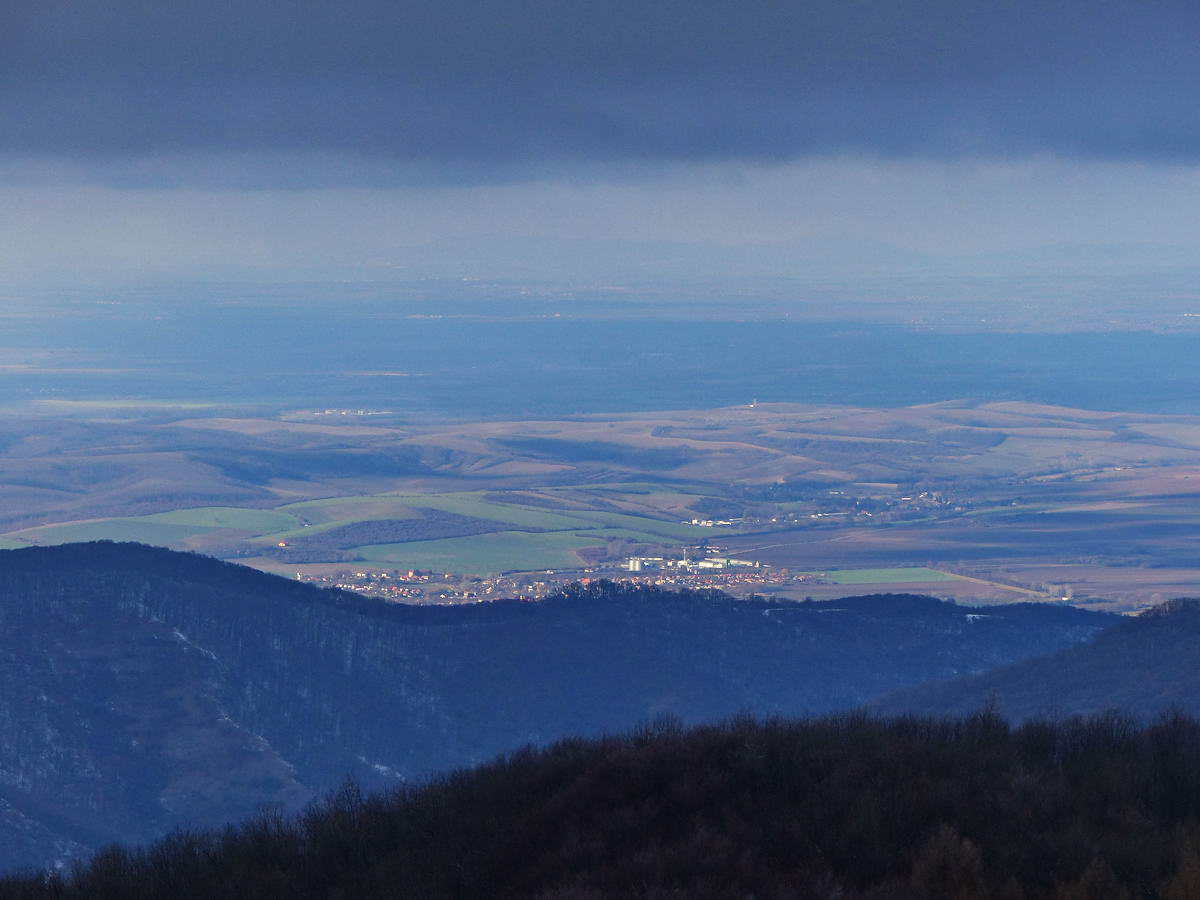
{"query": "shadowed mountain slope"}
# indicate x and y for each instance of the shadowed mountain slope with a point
(1145, 665)
(142, 689)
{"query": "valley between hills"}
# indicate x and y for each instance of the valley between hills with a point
(983, 502)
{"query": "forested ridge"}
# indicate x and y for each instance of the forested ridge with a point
(848, 807)
(142, 689)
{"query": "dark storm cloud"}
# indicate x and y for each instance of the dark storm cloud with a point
(485, 88)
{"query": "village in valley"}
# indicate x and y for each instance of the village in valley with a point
(736, 577)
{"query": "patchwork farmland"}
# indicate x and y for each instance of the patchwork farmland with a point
(955, 498)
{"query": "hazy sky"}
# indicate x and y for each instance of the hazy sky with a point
(358, 139)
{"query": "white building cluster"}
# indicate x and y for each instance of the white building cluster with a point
(645, 563)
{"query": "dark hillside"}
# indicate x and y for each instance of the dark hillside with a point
(1146, 665)
(851, 808)
(142, 689)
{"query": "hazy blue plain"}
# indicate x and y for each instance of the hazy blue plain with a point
(514, 361)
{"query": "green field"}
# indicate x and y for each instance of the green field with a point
(335, 511)
(6, 544)
(551, 541)
(488, 554)
(900, 575)
(252, 520)
(472, 504)
(349, 509)
(160, 534)
(168, 529)
(310, 530)
(627, 534)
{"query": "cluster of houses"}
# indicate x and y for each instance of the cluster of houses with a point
(646, 563)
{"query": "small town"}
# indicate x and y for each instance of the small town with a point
(735, 576)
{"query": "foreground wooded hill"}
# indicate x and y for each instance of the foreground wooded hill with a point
(850, 807)
(142, 689)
